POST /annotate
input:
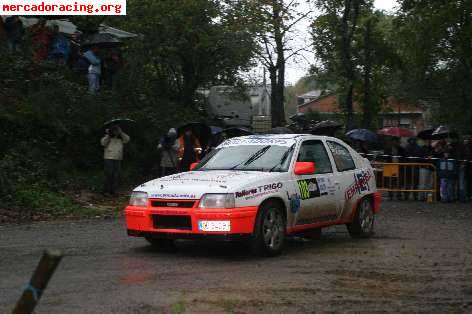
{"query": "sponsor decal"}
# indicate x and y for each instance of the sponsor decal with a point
(173, 195)
(360, 184)
(259, 190)
(258, 141)
(310, 188)
(186, 177)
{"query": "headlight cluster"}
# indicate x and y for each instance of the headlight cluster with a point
(138, 199)
(213, 200)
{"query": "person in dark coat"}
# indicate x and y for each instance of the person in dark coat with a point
(14, 32)
(414, 154)
(189, 150)
(396, 154)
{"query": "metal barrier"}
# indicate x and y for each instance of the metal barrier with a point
(395, 177)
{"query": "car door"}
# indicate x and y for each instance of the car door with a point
(346, 177)
(316, 190)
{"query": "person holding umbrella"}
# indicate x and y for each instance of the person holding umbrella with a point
(189, 150)
(113, 143)
(168, 147)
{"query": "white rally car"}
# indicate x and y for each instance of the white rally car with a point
(260, 188)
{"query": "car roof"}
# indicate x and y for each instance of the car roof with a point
(285, 136)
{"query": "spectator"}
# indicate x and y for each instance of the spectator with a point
(426, 179)
(60, 48)
(168, 148)
(42, 37)
(113, 143)
(189, 150)
(458, 153)
(396, 153)
(113, 63)
(414, 154)
(447, 177)
(3, 33)
(14, 32)
(468, 158)
(94, 69)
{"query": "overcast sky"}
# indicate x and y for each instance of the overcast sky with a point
(297, 68)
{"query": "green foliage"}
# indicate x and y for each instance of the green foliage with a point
(51, 127)
(87, 24)
(376, 58)
(434, 40)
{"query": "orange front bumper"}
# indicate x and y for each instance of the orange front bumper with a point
(140, 222)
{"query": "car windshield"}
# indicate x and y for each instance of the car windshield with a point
(249, 157)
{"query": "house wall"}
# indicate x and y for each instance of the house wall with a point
(411, 116)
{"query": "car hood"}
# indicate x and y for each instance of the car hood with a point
(193, 184)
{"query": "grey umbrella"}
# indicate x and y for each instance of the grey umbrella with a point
(101, 40)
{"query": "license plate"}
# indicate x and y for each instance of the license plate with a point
(214, 225)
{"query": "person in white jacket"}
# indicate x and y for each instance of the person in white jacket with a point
(113, 143)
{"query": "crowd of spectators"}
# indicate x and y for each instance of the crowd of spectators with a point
(100, 65)
(451, 158)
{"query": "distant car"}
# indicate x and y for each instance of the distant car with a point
(259, 188)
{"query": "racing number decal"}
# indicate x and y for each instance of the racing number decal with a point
(310, 188)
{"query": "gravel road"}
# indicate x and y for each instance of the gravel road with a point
(420, 260)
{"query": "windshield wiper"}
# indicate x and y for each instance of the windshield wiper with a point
(253, 158)
(284, 157)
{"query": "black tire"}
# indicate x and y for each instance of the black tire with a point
(269, 230)
(161, 243)
(362, 226)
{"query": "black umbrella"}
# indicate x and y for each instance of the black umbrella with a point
(362, 135)
(117, 121)
(200, 130)
(326, 127)
(236, 131)
(103, 40)
(425, 134)
(299, 116)
(443, 132)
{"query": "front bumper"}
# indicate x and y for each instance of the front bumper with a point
(140, 222)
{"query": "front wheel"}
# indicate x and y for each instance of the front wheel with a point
(269, 231)
(362, 226)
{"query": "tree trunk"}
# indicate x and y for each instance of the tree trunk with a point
(273, 91)
(367, 116)
(189, 85)
(351, 7)
(278, 112)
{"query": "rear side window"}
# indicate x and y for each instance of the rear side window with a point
(342, 157)
(315, 151)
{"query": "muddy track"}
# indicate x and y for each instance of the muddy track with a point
(420, 260)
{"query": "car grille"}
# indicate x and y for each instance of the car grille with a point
(181, 222)
(178, 204)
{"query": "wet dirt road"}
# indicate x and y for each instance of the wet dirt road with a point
(420, 260)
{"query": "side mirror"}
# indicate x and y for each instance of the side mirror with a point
(302, 168)
(193, 165)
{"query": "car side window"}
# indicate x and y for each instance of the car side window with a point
(342, 157)
(315, 151)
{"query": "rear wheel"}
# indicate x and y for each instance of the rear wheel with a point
(362, 226)
(269, 231)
